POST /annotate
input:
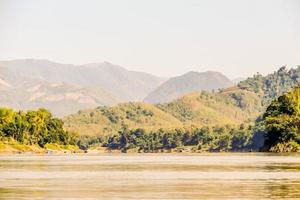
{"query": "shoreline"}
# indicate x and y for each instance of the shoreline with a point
(15, 148)
(50, 152)
(150, 154)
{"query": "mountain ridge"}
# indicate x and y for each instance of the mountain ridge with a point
(112, 84)
(191, 81)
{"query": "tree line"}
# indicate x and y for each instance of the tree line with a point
(217, 138)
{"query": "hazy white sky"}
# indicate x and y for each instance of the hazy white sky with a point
(163, 37)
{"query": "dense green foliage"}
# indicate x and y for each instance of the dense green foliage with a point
(34, 128)
(281, 123)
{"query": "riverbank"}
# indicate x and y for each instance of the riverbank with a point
(14, 147)
(11, 146)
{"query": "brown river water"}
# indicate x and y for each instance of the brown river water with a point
(150, 176)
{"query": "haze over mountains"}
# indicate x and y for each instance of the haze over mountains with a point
(66, 88)
(192, 81)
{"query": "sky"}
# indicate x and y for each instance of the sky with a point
(163, 37)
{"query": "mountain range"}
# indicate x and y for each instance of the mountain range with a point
(66, 88)
(102, 98)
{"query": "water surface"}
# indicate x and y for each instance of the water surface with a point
(150, 176)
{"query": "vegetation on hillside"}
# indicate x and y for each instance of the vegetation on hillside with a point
(231, 106)
(109, 120)
(273, 85)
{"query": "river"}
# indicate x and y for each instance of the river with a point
(150, 176)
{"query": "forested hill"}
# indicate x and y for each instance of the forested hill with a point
(273, 85)
(234, 105)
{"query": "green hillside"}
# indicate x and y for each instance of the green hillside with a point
(231, 106)
(106, 120)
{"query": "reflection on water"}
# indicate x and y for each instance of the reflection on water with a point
(150, 176)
